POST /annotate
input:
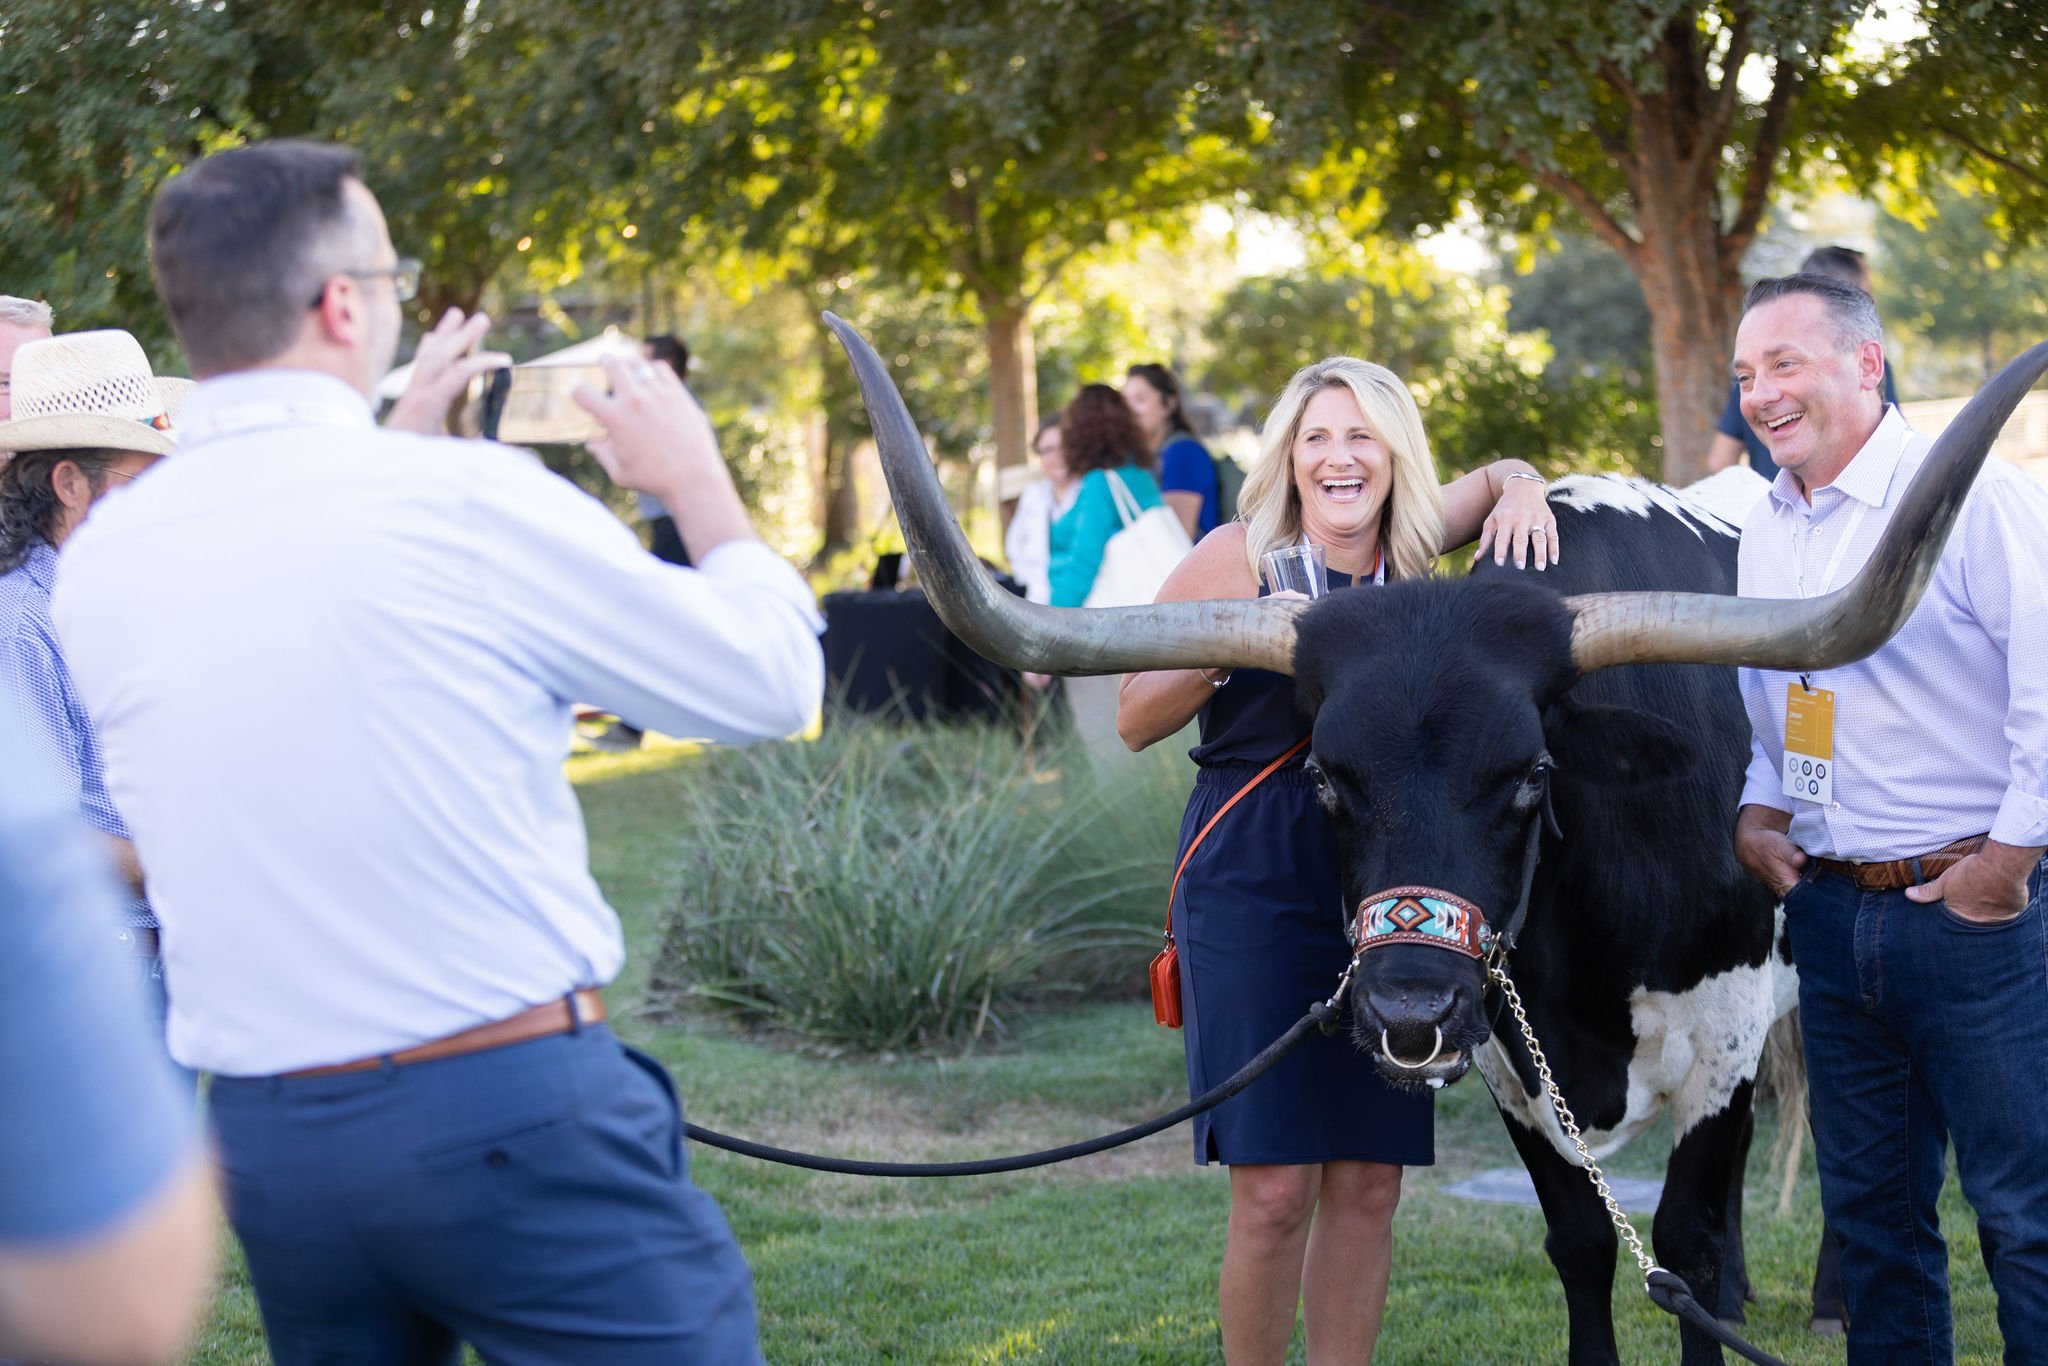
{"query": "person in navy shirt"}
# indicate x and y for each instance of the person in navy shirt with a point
(1187, 472)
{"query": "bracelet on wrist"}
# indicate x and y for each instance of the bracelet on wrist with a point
(1536, 479)
(1203, 674)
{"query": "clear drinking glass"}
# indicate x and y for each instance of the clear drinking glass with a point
(1295, 568)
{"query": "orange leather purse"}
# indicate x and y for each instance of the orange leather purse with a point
(1165, 971)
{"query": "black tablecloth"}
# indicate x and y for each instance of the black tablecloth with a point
(887, 650)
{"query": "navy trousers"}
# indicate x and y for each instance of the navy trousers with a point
(1923, 1028)
(532, 1201)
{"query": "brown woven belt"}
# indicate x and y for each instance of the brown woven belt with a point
(579, 1008)
(1901, 873)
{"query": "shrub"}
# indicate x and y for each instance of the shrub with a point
(888, 888)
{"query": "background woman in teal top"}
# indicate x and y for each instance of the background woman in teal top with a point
(1098, 435)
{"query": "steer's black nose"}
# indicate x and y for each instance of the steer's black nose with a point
(1411, 1011)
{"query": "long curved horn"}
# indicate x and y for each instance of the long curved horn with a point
(1026, 635)
(1825, 632)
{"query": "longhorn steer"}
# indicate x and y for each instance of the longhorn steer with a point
(1651, 966)
(1447, 714)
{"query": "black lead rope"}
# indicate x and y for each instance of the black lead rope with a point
(1322, 1014)
(1667, 1291)
(1674, 1297)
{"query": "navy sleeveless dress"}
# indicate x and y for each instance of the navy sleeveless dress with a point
(1259, 920)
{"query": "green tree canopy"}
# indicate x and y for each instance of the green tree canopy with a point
(103, 102)
(1659, 127)
(1483, 391)
(1959, 283)
(973, 148)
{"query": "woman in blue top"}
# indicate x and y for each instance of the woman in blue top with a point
(1099, 439)
(1187, 473)
(1316, 1148)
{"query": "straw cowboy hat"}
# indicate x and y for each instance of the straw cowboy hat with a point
(90, 390)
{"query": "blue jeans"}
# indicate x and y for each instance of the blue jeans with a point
(1924, 1028)
(532, 1200)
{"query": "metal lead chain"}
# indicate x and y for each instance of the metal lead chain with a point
(1571, 1126)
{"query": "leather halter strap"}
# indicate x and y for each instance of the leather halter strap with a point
(1445, 920)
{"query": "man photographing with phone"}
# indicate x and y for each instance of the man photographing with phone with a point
(381, 932)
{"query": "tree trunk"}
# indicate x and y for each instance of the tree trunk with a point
(1689, 269)
(1692, 338)
(1013, 385)
(1685, 246)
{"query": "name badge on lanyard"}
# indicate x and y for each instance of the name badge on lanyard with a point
(1809, 742)
(1809, 766)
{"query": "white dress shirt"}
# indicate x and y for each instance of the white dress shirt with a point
(1943, 733)
(332, 669)
(1028, 542)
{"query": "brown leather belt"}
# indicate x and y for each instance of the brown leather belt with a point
(1901, 873)
(579, 1008)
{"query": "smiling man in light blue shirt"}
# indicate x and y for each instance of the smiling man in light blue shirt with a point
(1900, 806)
(381, 931)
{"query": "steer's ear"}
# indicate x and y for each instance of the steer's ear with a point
(1618, 745)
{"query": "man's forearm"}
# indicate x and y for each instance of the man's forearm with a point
(132, 1293)
(1755, 816)
(2011, 860)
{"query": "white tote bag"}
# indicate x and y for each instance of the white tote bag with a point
(1140, 556)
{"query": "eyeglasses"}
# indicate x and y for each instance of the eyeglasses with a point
(404, 273)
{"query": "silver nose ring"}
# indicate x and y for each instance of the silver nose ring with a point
(1388, 1050)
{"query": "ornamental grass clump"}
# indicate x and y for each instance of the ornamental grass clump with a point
(885, 888)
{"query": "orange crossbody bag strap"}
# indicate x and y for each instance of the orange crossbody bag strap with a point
(1268, 771)
(1165, 970)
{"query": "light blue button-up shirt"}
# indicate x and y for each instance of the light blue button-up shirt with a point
(1943, 733)
(36, 683)
(332, 669)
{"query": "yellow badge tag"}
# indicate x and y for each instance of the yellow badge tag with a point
(1809, 742)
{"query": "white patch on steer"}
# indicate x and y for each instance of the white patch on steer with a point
(1693, 1048)
(1729, 494)
(1640, 498)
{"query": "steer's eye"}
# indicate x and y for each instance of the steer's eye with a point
(1325, 792)
(1531, 789)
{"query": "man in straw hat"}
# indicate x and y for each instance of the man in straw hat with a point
(21, 320)
(382, 934)
(89, 418)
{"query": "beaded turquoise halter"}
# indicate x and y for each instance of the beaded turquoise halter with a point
(1421, 915)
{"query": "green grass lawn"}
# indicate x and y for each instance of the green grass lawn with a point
(1112, 1259)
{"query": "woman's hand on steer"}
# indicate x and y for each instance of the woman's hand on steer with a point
(1520, 524)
